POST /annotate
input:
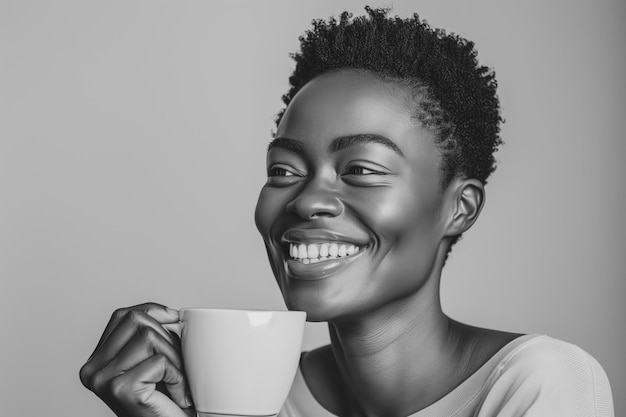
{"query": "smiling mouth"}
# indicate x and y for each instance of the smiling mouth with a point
(320, 252)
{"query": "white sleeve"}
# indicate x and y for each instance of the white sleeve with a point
(548, 378)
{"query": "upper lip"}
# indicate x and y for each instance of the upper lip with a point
(298, 235)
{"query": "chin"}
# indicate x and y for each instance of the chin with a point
(326, 304)
(316, 310)
(317, 303)
(344, 290)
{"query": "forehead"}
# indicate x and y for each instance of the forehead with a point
(349, 103)
(344, 103)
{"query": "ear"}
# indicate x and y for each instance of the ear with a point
(466, 198)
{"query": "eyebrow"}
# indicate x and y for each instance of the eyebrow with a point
(338, 144)
(286, 143)
(344, 142)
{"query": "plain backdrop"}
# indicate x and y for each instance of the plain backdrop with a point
(132, 151)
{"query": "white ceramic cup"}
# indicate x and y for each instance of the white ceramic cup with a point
(240, 362)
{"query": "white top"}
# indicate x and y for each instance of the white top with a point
(532, 376)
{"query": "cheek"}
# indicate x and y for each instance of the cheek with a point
(267, 210)
(399, 217)
(266, 213)
(406, 226)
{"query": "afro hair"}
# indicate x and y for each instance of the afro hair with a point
(455, 96)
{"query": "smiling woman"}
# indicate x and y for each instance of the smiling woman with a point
(364, 175)
(377, 167)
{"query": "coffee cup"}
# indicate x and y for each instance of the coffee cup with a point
(240, 362)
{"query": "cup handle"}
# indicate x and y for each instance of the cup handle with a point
(174, 327)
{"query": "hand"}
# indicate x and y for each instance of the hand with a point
(137, 369)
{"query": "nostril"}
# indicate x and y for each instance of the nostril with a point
(316, 199)
(309, 208)
(323, 214)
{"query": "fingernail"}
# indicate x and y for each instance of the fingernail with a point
(188, 399)
(172, 312)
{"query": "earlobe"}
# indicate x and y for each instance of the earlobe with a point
(469, 198)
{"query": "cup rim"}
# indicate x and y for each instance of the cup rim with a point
(239, 311)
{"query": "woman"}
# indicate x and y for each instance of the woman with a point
(377, 167)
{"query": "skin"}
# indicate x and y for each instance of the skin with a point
(393, 350)
(136, 368)
(351, 165)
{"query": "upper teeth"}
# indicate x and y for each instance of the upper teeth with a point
(312, 252)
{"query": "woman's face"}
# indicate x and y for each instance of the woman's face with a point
(350, 213)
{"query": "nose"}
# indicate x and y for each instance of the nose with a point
(315, 200)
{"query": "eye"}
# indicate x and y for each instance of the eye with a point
(280, 175)
(360, 170)
(366, 174)
(279, 172)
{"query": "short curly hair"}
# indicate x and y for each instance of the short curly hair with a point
(456, 96)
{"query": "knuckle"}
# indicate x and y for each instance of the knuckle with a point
(97, 383)
(118, 386)
(160, 361)
(142, 400)
(84, 374)
(148, 334)
(119, 313)
(135, 316)
(149, 305)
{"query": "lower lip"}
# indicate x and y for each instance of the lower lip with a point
(319, 270)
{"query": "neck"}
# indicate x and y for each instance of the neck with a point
(400, 358)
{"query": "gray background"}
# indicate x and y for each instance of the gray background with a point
(132, 142)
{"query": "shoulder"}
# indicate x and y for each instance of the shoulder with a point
(548, 356)
(544, 358)
(315, 387)
(547, 376)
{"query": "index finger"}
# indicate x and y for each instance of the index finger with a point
(159, 312)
